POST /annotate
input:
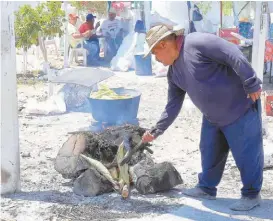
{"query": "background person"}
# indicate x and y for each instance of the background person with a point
(91, 42)
(112, 31)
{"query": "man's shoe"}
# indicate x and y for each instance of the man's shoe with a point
(246, 203)
(198, 193)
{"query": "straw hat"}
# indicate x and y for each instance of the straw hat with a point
(157, 33)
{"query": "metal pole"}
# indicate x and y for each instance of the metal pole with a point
(221, 14)
(147, 14)
(66, 64)
(10, 158)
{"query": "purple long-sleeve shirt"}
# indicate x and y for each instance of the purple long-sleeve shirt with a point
(217, 77)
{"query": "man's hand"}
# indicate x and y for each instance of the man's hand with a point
(147, 137)
(255, 96)
(97, 25)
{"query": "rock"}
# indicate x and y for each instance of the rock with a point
(100, 146)
(68, 162)
(91, 183)
(25, 155)
(159, 177)
(140, 167)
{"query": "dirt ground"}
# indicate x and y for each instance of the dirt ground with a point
(47, 196)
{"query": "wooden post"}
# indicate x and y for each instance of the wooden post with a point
(10, 158)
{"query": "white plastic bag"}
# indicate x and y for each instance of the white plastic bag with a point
(54, 105)
(123, 60)
(122, 64)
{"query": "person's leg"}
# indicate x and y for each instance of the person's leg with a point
(118, 41)
(214, 152)
(111, 49)
(93, 52)
(245, 139)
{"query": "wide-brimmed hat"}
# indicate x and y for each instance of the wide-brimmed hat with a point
(157, 33)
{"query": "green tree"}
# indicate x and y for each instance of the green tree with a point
(204, 6)
(44, 20)
(97, 6)
(51, 18)
(33, 24)
(227, 8)
(26, 27)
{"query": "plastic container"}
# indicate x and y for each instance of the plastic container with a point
(245, 29)
(116, 111)
(143, 66)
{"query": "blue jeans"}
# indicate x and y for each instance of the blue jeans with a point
(112, 47)
(93, 48)
(245, 140)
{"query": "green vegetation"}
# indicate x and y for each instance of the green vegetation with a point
(44, 20)
(93, 6)
(205, 6)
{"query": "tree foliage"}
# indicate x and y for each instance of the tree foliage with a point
(26, 26)
(99, 7)
(204, 6)
(45, 19)
(227, 8)
(51, 19)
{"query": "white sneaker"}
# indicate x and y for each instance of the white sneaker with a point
(246, 203)
(198, 193)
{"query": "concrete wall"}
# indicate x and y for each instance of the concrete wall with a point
(10, 161)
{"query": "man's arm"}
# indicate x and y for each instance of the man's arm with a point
(72, 31)
(229, 54)
(77, 35)
(175, 100)
(85, 32)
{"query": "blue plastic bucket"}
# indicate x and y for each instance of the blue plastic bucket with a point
(143, 66)
(116, 111)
